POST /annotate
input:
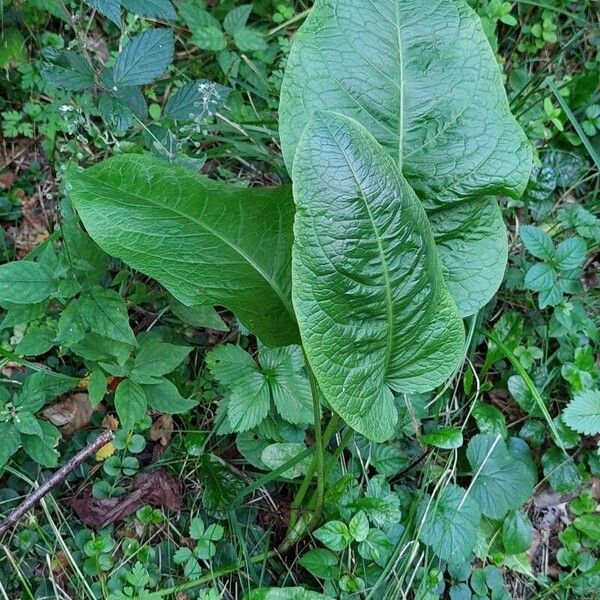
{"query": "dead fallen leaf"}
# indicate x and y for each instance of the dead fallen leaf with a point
(70, 413)
(156, 488)
(7, 179)
(97, 46)
(59, 562)
(536, 538)
(11, 368)
(34, 227)
(110, 422)
(162, 429)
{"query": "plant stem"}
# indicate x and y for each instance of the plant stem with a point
(319, 448)
(31, 500)
(317, 465)
(338, 452)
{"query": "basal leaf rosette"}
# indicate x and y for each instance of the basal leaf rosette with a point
(422, 78)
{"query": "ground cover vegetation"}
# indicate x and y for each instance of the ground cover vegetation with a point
(325, 279)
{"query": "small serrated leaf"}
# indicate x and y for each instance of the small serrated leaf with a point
(334, 535)
(25, 282)
(144, 58)
(446, 438)
(111, 9)
(237, 18)
(570, 254)
(131, 403)
(209, 38)
(582, 414)
(154, 9)
(537, 242)
(249, 40)
(540, 277)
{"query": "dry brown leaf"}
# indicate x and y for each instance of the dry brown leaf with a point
(11, 368)
(7, 179)
(97, 45)
(70, 413)
(34, 227)
(110, 422)
(157, 488)
(162, 429)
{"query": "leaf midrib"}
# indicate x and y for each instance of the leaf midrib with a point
(278, 291)
(384, 265)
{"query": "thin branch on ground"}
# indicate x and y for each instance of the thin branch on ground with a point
(60, 475)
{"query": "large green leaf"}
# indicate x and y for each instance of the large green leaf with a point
(205, 241)
(421, 77)
(371, 302)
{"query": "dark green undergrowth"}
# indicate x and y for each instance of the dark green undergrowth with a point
(352, 384)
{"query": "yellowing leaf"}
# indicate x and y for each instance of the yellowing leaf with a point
(105, 452)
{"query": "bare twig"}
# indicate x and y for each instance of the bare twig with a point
(57, 478)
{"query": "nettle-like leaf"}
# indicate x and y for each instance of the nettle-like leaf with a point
(583, 412)
(251, 386)
(144, 58)
(111, 9)
(423, 80)
(374, 313)
(206, 242)
(154, 9)
(70, 71)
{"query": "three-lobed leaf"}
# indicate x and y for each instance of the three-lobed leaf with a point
(374, 313)
(251, 386)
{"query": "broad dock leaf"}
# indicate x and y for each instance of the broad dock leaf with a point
(422, 78)
(372, 305)
(205, 241)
